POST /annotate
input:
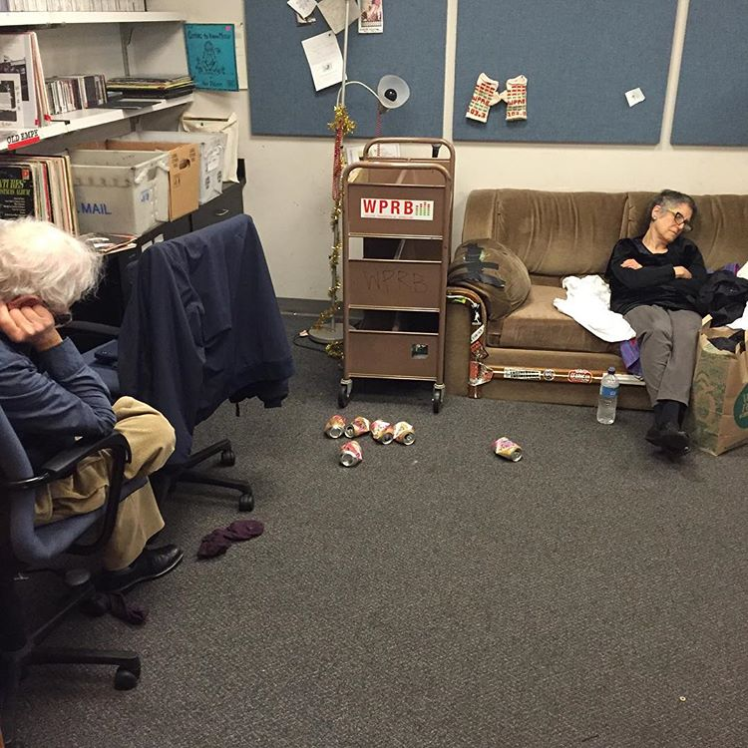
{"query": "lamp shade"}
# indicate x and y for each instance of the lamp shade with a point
(392, 91)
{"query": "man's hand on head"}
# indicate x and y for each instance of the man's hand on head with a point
(27, 320)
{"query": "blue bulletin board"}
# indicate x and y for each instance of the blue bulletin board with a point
(712, 104)
(579, 56)
(282, 97)
(211, 55)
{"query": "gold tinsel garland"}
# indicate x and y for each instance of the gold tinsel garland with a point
(343, 125)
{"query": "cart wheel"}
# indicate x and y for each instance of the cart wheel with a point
(344, 393)
(437, 399)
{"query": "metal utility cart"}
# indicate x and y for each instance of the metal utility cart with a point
(398, 211)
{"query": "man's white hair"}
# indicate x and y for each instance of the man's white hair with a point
(39, 259)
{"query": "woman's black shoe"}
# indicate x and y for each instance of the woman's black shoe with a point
(152, 563)
(669, 437)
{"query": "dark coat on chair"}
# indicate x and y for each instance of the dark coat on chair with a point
(203, 326)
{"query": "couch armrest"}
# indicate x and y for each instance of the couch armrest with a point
(480, 212)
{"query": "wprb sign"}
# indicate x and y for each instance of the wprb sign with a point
(402, 210)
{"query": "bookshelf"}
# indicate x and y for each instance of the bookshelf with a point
(40, 18)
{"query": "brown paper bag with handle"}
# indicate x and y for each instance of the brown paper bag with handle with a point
(718, 413)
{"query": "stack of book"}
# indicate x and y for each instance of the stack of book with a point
(23, 96)
(39, 186)
(68, 93)
(151, 87)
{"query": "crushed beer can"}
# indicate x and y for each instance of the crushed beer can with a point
(383, 432)
(335, 427)
(351, 454)
(403, 433)
(507, 449)
(358, 427)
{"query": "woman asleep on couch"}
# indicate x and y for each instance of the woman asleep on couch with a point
(654, 282)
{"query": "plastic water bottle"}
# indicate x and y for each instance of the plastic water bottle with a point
(606, 403)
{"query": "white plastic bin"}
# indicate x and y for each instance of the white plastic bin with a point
(212, 148)
(122, 192)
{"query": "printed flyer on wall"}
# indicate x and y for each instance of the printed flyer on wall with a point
(211, 55)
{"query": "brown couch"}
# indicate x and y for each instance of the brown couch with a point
(536, 353)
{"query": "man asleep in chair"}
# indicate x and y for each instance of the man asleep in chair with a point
(51, 397)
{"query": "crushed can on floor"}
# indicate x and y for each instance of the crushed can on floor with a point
(382, 432)
(351, 454)
(358, 427)
(335, 427)
(404, 433)
(507, 449)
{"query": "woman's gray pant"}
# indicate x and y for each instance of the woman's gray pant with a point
(667, 347)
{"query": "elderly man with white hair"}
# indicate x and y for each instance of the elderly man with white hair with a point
(51, 398)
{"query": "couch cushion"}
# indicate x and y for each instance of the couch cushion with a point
(719, 229)
(560, 233)
(538, 325)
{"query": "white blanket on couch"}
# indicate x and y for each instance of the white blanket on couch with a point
(588, 303)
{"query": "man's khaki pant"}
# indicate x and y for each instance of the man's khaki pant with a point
(151, 439)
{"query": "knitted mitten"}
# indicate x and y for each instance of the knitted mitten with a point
(484, 97)
(515, 97)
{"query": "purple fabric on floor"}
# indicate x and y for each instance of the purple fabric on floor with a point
(218, 542)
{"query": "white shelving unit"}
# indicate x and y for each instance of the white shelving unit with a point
(67, 47)
(24, 19)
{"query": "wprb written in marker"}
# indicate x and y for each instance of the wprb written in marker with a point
(21, 138)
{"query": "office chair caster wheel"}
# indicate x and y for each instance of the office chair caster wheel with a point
(246, 502)
(228, 458)
(437, 399)
(344, 393)
(125, 680)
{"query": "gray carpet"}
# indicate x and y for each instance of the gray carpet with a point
(593, 594)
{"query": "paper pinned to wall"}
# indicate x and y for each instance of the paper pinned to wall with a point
(211, 55)
(325, 60)
(371, 20)
(333, 12)
(303, 7)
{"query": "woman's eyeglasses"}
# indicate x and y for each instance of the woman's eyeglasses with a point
(680, 219)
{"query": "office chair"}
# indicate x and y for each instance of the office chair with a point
(202, 326)
(25, 547)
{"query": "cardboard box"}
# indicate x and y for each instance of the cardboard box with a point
(212, 148)
(120, 192)
(718, 413)
(184, 170)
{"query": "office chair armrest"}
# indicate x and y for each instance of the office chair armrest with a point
(65, 462)
(97, 328)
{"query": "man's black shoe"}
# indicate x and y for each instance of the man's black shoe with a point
(669, 437)
(152, 563)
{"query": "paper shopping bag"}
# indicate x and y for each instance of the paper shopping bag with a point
(718, 415)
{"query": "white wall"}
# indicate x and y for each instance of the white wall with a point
(289, 179)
